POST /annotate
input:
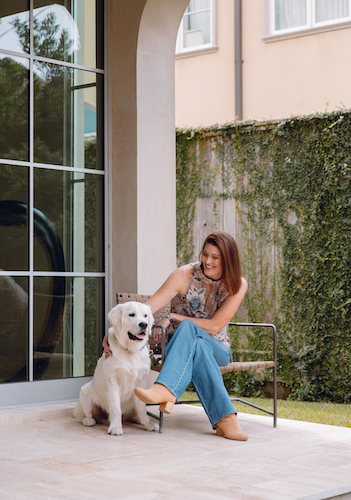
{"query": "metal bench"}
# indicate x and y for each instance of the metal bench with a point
(158, 353)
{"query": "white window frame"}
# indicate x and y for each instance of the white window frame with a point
(205, 48)
(311, 26)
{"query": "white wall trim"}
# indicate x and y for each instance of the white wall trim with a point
(306, 32)
(109, 297)
(41, 391)
(197, 52)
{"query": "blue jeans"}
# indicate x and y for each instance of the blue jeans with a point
(192, 354)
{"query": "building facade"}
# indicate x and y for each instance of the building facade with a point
(87, 150)
(87, 179)
(261, 60)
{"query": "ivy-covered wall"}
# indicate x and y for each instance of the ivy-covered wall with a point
(291, 180)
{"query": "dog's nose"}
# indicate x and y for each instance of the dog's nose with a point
(143, 325)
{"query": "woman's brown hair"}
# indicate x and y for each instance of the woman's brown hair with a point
(226, 244)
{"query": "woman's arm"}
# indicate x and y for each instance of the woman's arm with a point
(222, 316)
(174, 284)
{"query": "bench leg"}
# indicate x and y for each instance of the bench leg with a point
(159, 418)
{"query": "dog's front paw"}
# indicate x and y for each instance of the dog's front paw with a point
(89, 421)
(115, 430)
(151, 426)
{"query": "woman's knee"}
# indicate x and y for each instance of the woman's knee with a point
(188, 327)
(186, 324)
(182, 334)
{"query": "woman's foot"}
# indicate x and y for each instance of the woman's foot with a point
(229, 428)
(158, 394)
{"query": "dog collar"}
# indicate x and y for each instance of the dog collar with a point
(131, 352)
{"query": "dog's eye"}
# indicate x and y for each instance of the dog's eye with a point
(132, 315)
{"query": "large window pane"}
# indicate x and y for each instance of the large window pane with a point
(66, 31)
(197, 23)
(195, 5)
(14, 102)
(69, 214)
(68, 326)
(328, 10)
(290, 14)
(58, 123)
(13, 328)
(13, 218)
(14, 25)
(67, 124)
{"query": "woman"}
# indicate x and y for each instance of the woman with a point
(204, 296)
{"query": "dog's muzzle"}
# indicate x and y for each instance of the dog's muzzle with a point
(141, 334)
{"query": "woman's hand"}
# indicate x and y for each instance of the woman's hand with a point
(157, 333)
(106, 346)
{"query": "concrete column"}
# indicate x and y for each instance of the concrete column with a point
(142, 45)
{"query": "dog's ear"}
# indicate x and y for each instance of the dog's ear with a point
(150, 320)
(115, 316)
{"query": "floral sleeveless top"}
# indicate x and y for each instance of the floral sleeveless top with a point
(193, 302)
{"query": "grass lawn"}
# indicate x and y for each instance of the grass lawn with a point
(319, 413)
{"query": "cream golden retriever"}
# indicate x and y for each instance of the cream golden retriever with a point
(116, 376)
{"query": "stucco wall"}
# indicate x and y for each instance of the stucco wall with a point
(296, 76)
(142, 142)
(205, 83)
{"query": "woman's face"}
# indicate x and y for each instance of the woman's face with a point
(212, 262)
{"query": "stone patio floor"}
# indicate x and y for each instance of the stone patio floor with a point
(46, 454)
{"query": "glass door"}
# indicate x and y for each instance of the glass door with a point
(52, 274)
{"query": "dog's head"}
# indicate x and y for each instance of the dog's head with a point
(132, 323)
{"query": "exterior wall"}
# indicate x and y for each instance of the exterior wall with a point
(295, 76)
(205, 83)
